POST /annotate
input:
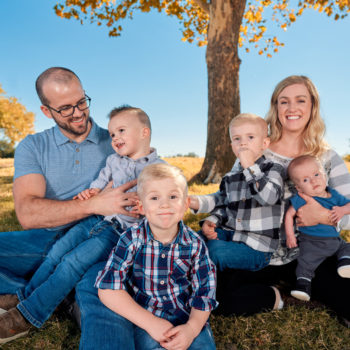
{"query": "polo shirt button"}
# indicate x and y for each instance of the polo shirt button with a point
(163, 255)
(77, 150)
(77, 162)
(164, 297)
(239, 220)
(162, 282)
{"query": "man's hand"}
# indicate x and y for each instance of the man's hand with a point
(312, 213)
(88, 193)
(114, 200)
(208, 229)
(194, 203)
(181, 337)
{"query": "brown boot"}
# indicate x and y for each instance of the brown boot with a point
(12, 326)
(7, 302)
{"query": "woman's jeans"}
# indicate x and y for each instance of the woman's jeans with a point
(228, 254)
(86, 243)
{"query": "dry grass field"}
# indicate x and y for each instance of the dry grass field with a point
(296, 327)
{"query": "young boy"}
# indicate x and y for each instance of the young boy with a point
(317, 242)
(243, 228)
(159, 276)
(90, 240)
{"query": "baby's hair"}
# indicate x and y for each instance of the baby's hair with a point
(301, 160)
(248, 118)
(160, 171)
(142, 115)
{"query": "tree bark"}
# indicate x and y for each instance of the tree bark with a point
(223, 86)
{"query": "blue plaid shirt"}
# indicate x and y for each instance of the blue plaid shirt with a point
(167, 280)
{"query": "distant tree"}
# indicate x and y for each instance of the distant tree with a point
(15, 121)
(223, 26)
(6, 149)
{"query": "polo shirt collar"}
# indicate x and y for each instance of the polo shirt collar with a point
(92, 137)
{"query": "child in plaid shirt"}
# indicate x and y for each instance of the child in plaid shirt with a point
(246, 214)
(159, 276)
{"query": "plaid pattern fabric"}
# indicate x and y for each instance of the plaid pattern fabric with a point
(249, 202)
(167, 280)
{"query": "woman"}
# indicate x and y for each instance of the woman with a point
(296, 128)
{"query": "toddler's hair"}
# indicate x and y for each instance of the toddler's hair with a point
(160, 171)
(248, 118)
(300, 161)
(142, 115)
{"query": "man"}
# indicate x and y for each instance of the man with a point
(51, 167)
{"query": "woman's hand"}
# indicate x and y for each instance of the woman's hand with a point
(312, 213)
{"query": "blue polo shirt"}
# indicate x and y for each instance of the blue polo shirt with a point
(68, 167)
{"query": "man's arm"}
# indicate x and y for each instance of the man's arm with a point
(35, 211)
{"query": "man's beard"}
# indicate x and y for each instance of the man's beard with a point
(66, 126)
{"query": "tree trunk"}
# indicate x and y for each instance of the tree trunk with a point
(223, 86)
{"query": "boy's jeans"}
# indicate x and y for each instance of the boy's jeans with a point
(21, 253)
(204, 340)
(86, 243)
(101, 328)
(228, 254)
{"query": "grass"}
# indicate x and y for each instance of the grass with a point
(298, 326)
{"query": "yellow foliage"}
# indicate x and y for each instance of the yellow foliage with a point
(15, 121)
(194, 15)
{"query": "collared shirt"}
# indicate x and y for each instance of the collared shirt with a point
(167, 280)
(249, 202)
(122, 169)
(67, 166)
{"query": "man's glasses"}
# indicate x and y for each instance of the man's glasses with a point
(67, 111)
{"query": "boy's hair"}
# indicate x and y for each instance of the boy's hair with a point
(160, 171)
(247, 118)
(142, 115)
(58, 74)
(301, 160)
(313, 134)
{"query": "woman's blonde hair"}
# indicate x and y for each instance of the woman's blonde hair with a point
(313, 135)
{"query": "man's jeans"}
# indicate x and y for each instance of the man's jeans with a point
(102, 328)
(228, 254)
(21, 253)
(85, 244)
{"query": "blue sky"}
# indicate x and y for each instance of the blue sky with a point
(150, 67)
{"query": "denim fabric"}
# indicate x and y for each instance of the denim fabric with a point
(204, 341)
(21, 253)
(227, 254)
(101, 328)
(86, 243)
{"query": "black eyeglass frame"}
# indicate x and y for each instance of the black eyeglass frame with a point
(87, 98)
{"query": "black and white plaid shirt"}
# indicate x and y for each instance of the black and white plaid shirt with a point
(249, 202)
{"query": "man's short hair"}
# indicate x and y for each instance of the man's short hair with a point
(58, 74)
(142, 115)
(248, 118)
(160, 171)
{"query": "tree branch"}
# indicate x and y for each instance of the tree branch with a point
(203, 4)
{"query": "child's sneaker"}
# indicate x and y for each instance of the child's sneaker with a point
(344, 268)
(302, 289)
